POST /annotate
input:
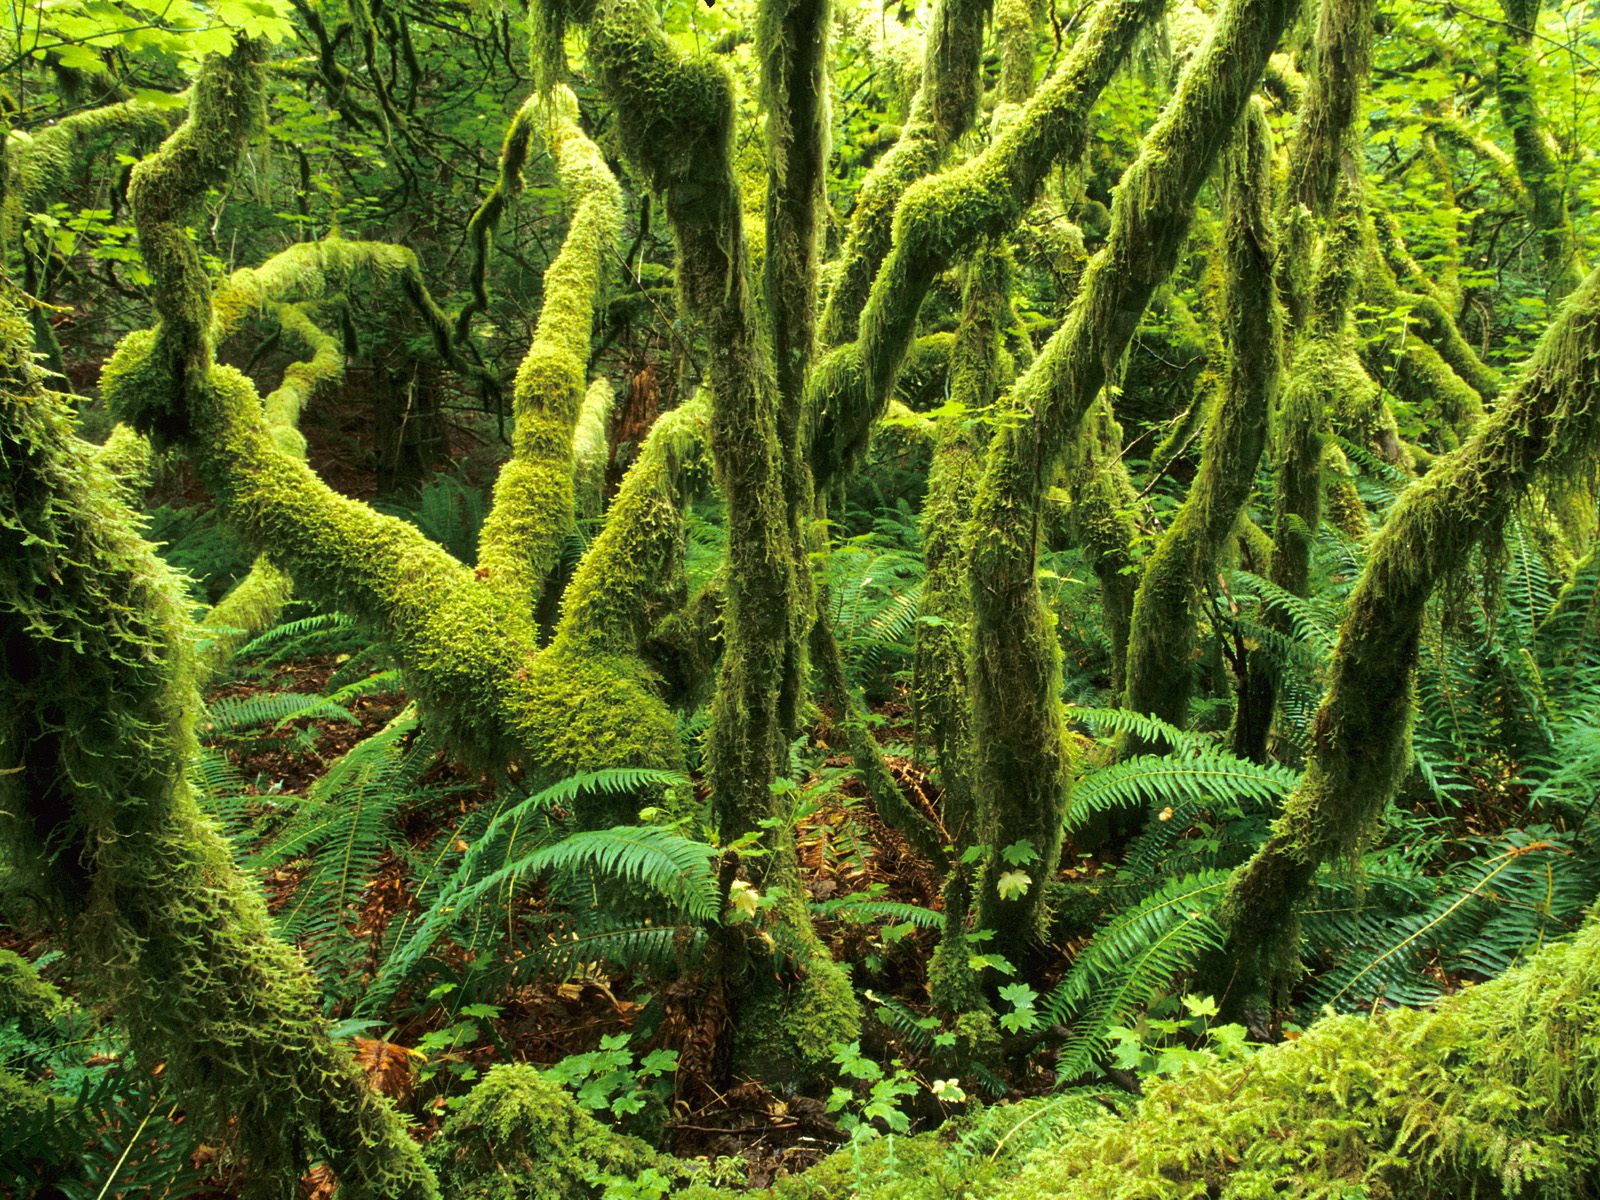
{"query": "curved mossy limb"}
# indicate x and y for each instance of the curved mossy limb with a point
(942, 110)
(1021, 738)
(284, 287)
(532, 510)
(1463, 379)
(251, 607)
(98, 708)
(37, 165)
(1545, 427)
(481, 225)
(461, 647)
(943, 217)
(591, 700)
(1533, 149)
(1173, 585)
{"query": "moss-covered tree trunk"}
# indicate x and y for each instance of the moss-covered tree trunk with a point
(97, 704)
(1547, 425)
(676, 117)
(1175, 580)
(1021, 755)
(1534, 156)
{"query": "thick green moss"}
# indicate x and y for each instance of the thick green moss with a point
(534, 507)
(591, 450)
(940, 218)
(97, 703)
(1545, 428)
(1021, 759)
(1493, 1094)
(1172, 588)
(519, 1136)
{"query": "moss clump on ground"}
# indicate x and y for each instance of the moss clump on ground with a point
(520, 1136)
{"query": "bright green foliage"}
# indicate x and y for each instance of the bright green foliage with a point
(1543, 428)
(1492, 1094)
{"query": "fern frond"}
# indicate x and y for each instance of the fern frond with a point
(1131, 961)
(233, 714)
(1143, 726)
(1206, 777)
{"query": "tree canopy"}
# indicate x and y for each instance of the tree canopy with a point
(644, 598)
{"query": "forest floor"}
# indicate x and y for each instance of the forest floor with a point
(844, 849)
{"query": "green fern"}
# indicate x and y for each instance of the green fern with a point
(234, 715)
(1192, 778)
(512, 846)
(1133, 959)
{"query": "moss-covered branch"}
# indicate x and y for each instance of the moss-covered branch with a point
(1172, 588)
(1546, 426)
(462, 647)
(533, 506)
(37, 165)
(943, 217)
(1021, 759)
(1533, 153)
(942, 110)
(595, 700)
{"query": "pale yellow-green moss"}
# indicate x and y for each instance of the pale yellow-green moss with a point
(533, 507)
